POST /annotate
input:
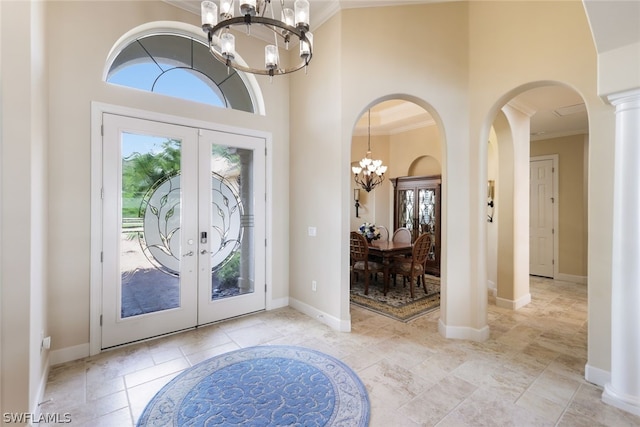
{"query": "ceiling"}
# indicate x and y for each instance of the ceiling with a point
(557, 110)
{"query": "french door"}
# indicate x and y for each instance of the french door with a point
(183, 216)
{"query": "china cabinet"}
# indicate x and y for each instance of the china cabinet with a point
(417, 207)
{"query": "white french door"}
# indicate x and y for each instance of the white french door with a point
(183, 209)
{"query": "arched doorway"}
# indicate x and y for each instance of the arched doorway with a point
(537, 173)
(403, 133)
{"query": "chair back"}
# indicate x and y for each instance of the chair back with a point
(420, 250)
(402, 234)
(358, 247)
(384, 233)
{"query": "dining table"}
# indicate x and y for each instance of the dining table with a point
(386, 251)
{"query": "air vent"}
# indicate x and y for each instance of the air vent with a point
(570, 109)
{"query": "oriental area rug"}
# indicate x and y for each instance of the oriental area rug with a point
(398, 303)
(262, 386)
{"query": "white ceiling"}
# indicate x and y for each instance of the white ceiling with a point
(549, 104)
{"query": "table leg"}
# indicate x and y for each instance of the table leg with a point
(386, 262)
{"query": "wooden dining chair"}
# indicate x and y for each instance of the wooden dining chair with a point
(401, 234)
(359, 253)
(413, 268)
(384, 233)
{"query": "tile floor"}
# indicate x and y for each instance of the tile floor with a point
(529, 373)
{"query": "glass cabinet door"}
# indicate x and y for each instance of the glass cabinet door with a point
(406, 209)
(427, 218)
(417, 208)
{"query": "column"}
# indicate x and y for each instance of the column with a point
(623, 391)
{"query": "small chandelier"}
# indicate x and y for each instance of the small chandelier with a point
(293, 23)
(370, 173)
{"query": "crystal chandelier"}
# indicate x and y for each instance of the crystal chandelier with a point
(258, 13)
(370, 173)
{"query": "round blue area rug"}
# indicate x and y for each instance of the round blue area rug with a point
(262, 386)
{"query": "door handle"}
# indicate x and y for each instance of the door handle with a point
(190, 253)
(202, 252)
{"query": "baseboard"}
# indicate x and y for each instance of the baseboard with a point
(68, 354)
(333, 322)
(622, 401)
(492, 288)
(463, 332)
(596, 376)
(42, 385)
(571, 278)
(513, 304)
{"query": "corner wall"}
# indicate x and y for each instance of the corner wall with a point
(23, 262)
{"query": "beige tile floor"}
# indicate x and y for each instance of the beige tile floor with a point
(529, 373)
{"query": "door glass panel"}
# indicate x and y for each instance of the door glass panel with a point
(405, 209)
(231, 234)
(427, 217)
(151, 218)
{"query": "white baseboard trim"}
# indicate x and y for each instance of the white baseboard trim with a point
(278, 303)
(68, 354)
(621, 400)
(571, 278)
(463, 332)
(42, 385)
(492, 289)
(596, 376)
(333, 322)
(513, 304)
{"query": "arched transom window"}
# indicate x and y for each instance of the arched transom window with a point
(182, 67)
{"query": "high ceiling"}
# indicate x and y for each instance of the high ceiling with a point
(558, 111)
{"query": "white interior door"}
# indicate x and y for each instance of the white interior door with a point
(541, 251)
(179, 225)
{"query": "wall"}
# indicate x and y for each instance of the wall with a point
(318, 198)
(23, 262)
(511, 51)
(76, 65)
(487, 52)
(356, 74)
(572, 221)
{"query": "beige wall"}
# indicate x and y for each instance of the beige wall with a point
(487, 52)
(572, 192)
(522, 44)
(23, 226)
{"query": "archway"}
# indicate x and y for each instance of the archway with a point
(541, 122)
(405, 133)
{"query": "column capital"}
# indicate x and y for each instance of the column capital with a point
(624, 98)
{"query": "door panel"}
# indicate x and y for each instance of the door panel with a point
(232, 282)
(148, 279)
(541, 218)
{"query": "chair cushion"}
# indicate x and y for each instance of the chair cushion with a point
(405, 268)
(372, 266)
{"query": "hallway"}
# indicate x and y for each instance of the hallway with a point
(529, 373)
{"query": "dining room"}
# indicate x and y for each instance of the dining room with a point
(395, 207)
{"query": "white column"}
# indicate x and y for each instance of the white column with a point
(624, 389)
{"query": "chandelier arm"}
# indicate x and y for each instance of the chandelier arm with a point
(269, 22)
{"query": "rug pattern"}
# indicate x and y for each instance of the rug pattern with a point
(262, 386)
(398, 303)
